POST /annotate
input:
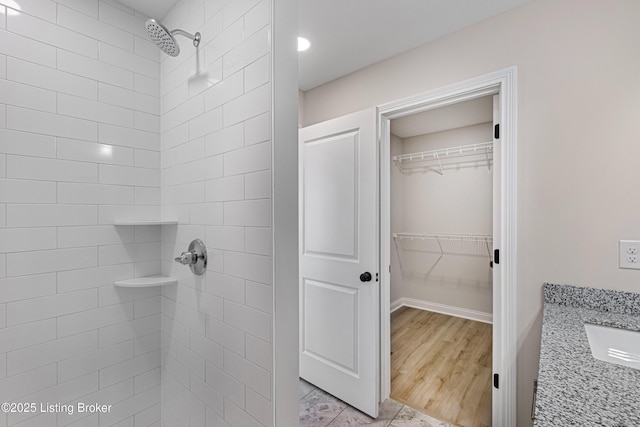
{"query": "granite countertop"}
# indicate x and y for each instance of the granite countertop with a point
(574, 389)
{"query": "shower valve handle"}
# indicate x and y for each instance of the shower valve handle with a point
(187, 258)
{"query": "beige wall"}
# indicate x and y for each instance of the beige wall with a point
(578, 127)
(460, 201)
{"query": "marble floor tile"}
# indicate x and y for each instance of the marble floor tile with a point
(318, 409)
(304, 388)
(409, 417)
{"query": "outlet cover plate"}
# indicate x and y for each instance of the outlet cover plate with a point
(629, 254)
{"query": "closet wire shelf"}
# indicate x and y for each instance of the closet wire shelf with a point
(449, 244)
(444, 158)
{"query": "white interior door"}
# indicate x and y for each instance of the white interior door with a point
(339, 307)
(496, 409)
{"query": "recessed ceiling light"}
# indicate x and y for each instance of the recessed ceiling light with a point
(303, 44)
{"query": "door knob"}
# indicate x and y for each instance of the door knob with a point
(365, 277)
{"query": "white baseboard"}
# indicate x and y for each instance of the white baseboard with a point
(450, 310)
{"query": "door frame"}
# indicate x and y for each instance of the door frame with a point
(501, 82)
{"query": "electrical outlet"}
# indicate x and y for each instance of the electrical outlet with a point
(628, 254)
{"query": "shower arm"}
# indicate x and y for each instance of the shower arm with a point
(195, 37)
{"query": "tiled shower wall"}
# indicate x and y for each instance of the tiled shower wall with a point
(216, 180)
(79, 147)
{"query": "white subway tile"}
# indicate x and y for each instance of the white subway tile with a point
(205, 78)
(259, 407)
(225, 335)
(259, 296)
(109, 295)
(257, 185)
(108, 395)
(254, 47)
(174, 137)
(71, 324)
(174, 97)
(147, 48)
(146, 121)
(226, 41)
(206, 214)
(37, 215)
(249, 105)
(146, 306)
(257, 17)
(248, 266)
(147, 196)
(87, 151)
(126, 331)
(226, 238)
(149, 417)
(247, 319)
(146, 85)
(51, 260)
(27, 96)
(189, 193)
(147, 159)
(20, 191)
(51, 169)
(225, 189)
(107, 214)
(257, 73)
(131, 252)
(209, 350)
(3, 62)
(3, 316)
(3, 116)
(50, 78)
(27, 239)
(258, 240)
(234, 10)
(185, 315)
(29, 310)
(27, 49)
(3, 265)
(206, 168)
(128, 60)
(28, 382)
(259, 352)
(129, 368)
(249, 374)
(146, 380)
(182, 113)
(38, 29)
(134, 138)
(249, 159)
(194, 362)
(130, 407)
(87, 7)
(94, 69)
(3, 26)
(257, 129)
(89, 25)
(229, 386)
(28, 144)
(96, 111)
(121, 19)
(230, 88)
(44, 9)
(72, 237)
(3, 365)
(254, 213)
(3, 165)
(27, 335)
(92, 194)
(225, 286)
(189, 151)
(24, 287)
(128, 98)
(211, 397)
(87, 278)
(52, 351)
(125, 175)
(94, 360)
(227, 139)
(50, 124)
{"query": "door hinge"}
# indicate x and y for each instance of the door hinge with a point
(376, 277)
(496, 256)
(496, 131)
(496, 380)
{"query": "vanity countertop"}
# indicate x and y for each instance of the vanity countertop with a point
(574, 389)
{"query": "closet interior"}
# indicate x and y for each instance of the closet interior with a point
(441, 271)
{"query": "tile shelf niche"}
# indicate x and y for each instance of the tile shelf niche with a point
(146, 281)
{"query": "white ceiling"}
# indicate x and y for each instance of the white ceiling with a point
(347, 35)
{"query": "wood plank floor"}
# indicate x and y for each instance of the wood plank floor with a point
(441, 365)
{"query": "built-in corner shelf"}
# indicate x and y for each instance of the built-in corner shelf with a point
(145, 222)
(147, 281)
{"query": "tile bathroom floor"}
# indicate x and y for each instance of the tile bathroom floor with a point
(320, 409)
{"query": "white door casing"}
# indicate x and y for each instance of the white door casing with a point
(498, 317)
(339, 313)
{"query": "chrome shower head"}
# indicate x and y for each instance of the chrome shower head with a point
(162, 37)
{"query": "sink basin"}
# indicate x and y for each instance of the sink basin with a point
(614, 345)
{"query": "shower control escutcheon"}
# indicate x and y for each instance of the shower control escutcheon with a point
(195, 257)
